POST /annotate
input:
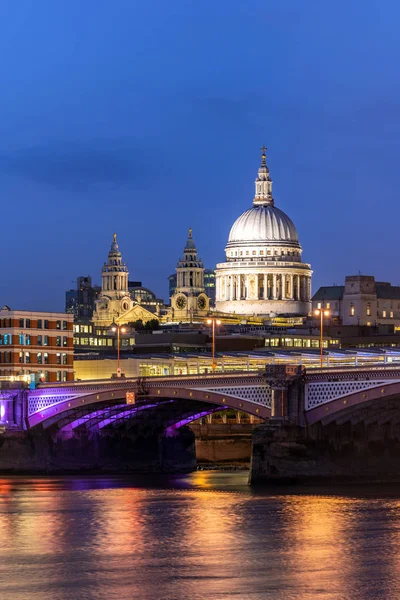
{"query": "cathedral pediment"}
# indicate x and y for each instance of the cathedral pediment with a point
(136, 313)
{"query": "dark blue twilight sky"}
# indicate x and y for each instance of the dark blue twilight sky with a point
(146, 118)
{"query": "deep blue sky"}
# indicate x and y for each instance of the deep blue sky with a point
(146, 118)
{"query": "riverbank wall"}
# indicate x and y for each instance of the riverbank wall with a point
(285, 453)
(116, 452)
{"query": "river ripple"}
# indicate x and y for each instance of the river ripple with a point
(201, 536)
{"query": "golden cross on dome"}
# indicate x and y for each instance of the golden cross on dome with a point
(115, 237)
(190, 233)
(263, 155)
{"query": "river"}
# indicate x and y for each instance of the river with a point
(206, 535)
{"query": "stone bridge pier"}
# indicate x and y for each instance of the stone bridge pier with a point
(330, 426)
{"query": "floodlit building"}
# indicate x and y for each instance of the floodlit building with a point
(361, 301)
(263, 273)
(114, 303)
(189, 299)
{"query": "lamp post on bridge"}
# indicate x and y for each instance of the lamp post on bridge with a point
(321, 312)
(213, 321)
(119, 329)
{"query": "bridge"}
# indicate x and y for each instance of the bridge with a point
(280, 392)
(318, 403)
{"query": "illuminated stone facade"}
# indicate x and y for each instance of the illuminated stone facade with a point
(263, 273)
(189, 300)
(114, 303)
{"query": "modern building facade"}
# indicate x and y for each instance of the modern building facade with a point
(263, 273)
(36, 343)
(80, 302)
(361, 301)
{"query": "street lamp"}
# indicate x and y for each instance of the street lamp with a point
(213, 321)
(322, 312)
(119, 329)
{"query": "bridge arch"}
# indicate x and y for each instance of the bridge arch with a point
(91, 405)
(345, 407)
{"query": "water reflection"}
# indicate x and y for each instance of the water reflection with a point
(207, 535)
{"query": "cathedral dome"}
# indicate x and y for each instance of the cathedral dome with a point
(263, 223)
(263, 274)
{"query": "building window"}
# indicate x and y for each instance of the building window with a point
(58, 340)
(27, 357)
(254, 252)
(40, 324)
(384, 314)
(368, 309)
(328, 305)
(65, 341)
(21, 339)
(319, 305)
(28, 339)
(58, 375)
(65, 325)
(39, 358)
(28, 323)
(21, 323)
(46, 340)
(64, 359)
(46, 324)
(391, 314)
(58, 325)
(65, 375)
(7, 339)
(261, 252)
(21, 357)
(46, 358)
(58, 358)
(352, 310)
(39, 340)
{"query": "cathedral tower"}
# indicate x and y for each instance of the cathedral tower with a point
(114, 299)
(189, 298)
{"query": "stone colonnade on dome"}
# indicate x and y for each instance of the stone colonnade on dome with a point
(264, 286)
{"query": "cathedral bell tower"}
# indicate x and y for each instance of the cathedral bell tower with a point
(189, 299)
(114, 299)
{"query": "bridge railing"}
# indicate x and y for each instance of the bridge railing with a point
(386, 367)
(155, 379)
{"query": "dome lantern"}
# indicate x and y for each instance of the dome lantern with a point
(263, 183)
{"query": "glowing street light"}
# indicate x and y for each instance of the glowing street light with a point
(322, 312)
(119, 329)
(213, 321)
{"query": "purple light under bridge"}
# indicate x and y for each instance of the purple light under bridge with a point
(102, 418)
(170, 431)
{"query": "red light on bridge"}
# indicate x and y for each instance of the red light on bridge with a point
(130, 397)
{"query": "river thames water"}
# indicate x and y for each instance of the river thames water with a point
(206, 535)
